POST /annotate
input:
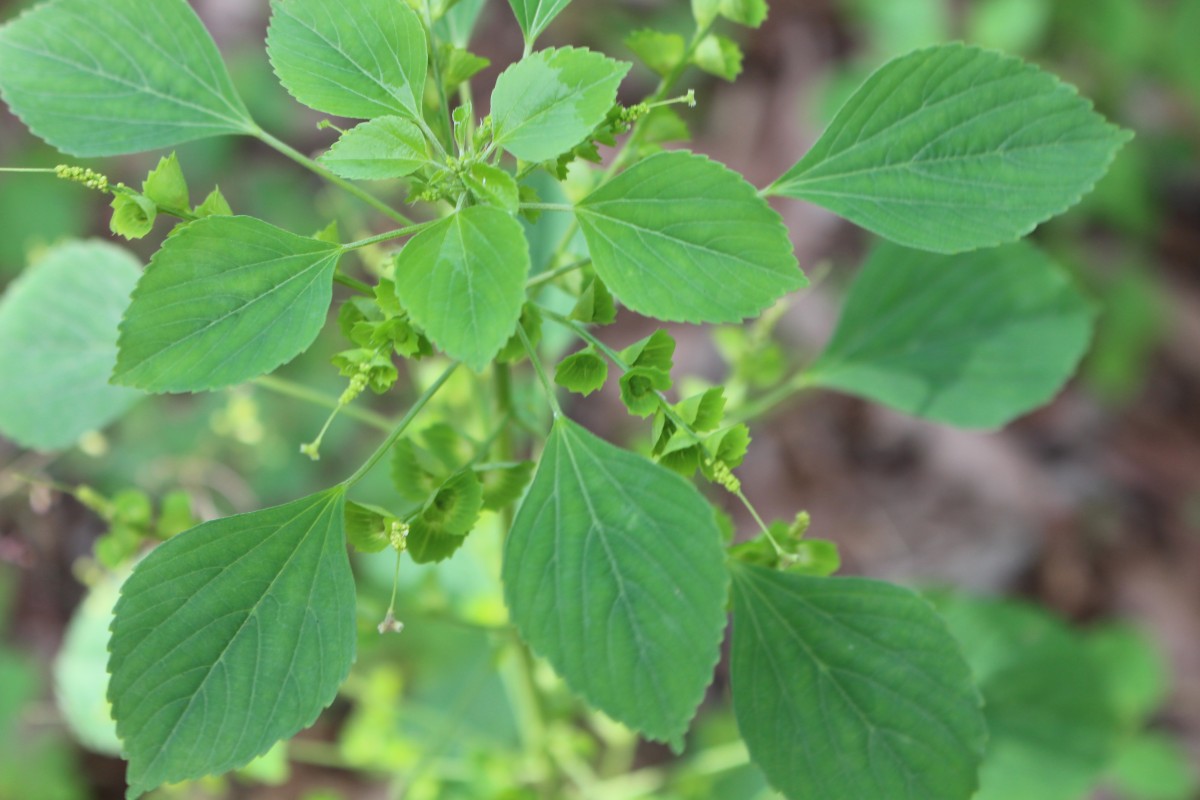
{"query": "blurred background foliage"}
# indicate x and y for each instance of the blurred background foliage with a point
(1085, 516)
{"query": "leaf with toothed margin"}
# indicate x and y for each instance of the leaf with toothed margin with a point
(121, 76)
(846, 689)
(225, 300)
(955, 148)
(535, 15)
(230, 637)
(614, 572)
(551, 100)
(679, 237)
(362, 61)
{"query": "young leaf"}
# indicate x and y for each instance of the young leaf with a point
(58, 344)
(955, 148)
(583, 372)
(846, 689)
(166, 186)
(368, 61)
(720, 56)
(493, 186)
(230, 637)
(215, 205)
(614, 572)
(535, 15)
(661, 52)
(656, 351)
(123, 76)
(640, 387)
(751, 13)
(225, 300)
(678, 237)
(463, 281)
(973, 340)
(595, 305)
(548, 102)
(388, 147)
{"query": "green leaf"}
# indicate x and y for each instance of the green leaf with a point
(166, 186)
(955, 148)
(614, 572)
(230, 637)
(225, 300)
(493, 186)
(504, 485)
(583, 372)
(365, 62)
(1052, 727)
(678, 237)
(459, 66)
(656, 351)
(661, 52)
(455, 508)
(535, 15)
(744, 12)
(550, 101)
(720, 56)
(595, 305)
(367, 527)
(388, 147)
(215, 205)
(847, 689)
(1154, 766)
(58, 344)
(973, 340)
(463, 282)
(123, 76)
(133, 215)
(640, 387)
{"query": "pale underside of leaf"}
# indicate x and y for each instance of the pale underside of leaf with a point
(123, 76)
(58, 344)
(955, 148)
(614, 573)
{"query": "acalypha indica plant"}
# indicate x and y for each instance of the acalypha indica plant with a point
(238, 632)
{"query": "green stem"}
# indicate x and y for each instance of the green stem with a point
(297, 391)
(28, 170)
(408, 230)
(547, 207)
(314, 166)
(554, 274)
(355, 284)
(412, 413)
(540, 369)
(756, 408)
(664, 88)
(444, 118)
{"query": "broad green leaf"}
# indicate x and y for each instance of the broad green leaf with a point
(678, 237)
(535, 15)
(225, 300)
(229, 637)
(364, 61)
(614, 572)
(58, 344)
(846, 689)
(550, 101)
(388, 147)
(1052, 725)
(955, 148)
(463, 282)
(661, 52)
(122, 76)
(973, 340)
